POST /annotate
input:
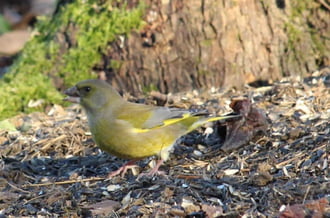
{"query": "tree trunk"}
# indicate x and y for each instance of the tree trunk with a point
(212, 43)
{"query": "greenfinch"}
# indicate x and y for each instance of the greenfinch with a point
(130, 130)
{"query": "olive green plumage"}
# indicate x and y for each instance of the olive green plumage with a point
(129, 130)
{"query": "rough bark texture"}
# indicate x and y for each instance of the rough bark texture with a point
(196, 43)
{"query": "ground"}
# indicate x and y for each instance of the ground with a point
(50, 166)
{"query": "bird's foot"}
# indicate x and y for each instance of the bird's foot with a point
(154, 171)
(123, 169)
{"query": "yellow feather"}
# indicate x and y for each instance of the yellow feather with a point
(165, 123)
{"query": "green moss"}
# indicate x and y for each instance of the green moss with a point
(302, 6)
(115, 64)
(207, 42)
(91, 25)
(19, 90)
(4, 25)
(149, 88)
(294, 35)
(304, 40)
(204, 72)
(320, 46)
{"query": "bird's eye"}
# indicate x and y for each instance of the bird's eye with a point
(87, 89)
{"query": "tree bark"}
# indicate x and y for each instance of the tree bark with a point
(211, 43)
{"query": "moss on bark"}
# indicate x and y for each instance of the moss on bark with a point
(66, 47)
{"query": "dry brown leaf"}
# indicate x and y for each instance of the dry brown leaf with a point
(212, 211)
(103, 208)
(239, 132)
(314, 209)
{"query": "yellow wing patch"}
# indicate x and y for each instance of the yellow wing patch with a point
(165, 123)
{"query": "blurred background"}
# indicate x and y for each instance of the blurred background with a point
(164, 46)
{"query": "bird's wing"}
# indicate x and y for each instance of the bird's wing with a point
(145, 117)
(163, 116)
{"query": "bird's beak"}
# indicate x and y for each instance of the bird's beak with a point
(72, 95)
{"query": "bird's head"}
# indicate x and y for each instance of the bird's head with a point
(92, 94)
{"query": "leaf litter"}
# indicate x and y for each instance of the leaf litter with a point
(274, 162)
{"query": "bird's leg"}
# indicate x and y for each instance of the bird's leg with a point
(154, 170)
(122, 170)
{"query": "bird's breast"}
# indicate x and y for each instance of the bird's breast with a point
(119, 138)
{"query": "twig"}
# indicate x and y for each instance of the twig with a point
(187, 177)
(64, 182)
(280, 165)
(32, 199)
(305, 196)
(19, 189)
(298, 156)
(322, 2)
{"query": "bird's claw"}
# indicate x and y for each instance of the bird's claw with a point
(123, 169)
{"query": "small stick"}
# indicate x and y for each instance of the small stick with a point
(279, 165)
(19, 189)
(64, 182)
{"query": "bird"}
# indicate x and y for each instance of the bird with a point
(130, 130)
